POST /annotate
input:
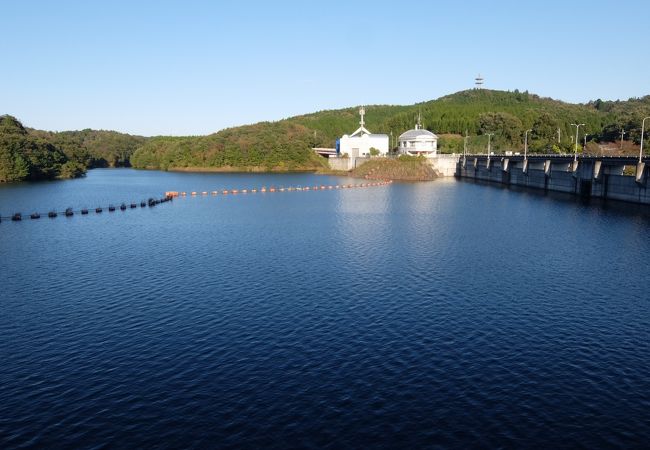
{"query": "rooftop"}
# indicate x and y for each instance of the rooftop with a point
(417, 133)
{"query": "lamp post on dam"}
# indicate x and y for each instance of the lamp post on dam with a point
(489, 135)
(575, 153)
(526, 143)
(642, 130)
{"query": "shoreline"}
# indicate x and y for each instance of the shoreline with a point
(229, 169)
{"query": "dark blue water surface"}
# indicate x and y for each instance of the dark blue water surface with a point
(412, 315)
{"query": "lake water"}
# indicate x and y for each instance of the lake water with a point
(443, 314)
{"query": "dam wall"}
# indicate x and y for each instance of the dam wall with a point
(616, 178)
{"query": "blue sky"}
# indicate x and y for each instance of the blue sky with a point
(194, 67)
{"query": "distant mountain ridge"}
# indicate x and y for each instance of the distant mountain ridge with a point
(286, 144)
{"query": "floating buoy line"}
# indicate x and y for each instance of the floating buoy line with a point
(322, 187)
(69, 212)
(170, 195)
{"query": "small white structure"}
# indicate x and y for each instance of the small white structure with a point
(359, 143)
(418, 142)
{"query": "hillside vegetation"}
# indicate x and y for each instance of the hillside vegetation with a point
(27, 154)
(286, 145)
(95, 148)
(280, 146)
(475, 112)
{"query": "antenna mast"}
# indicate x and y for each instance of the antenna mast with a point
(478, 82)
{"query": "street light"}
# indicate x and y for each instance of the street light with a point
(622, 134)
(526, 143)
(575, 153)
(642, 127)
(489, 135)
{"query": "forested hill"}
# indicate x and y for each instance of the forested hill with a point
(266, 146)
(28, 154)
(95, 148)
(286, 144)
(476, 112)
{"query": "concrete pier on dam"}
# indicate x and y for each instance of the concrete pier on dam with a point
(618, 178)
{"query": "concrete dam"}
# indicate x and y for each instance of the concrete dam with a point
(617, 178)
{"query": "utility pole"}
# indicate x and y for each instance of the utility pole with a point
(559, 133)
(465, 145)
(622, 134)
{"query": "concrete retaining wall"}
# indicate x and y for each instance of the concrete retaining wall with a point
(346, 163)
(444, 165)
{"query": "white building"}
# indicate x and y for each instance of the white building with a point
(418, 142)
(359, 143)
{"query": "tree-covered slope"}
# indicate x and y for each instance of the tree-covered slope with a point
(24, 156)
(263, 146)
(28, 154)
(476, 112)
(94, 148)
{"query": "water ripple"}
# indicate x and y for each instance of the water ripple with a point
(417, 315)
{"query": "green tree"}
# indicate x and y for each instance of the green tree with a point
(503, 125)
(544, 133)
